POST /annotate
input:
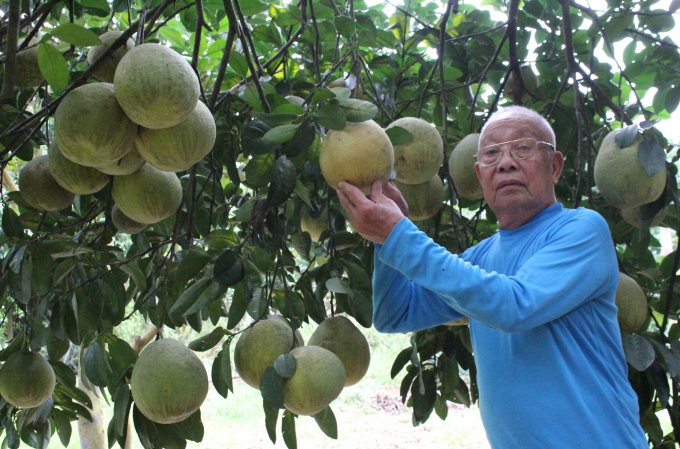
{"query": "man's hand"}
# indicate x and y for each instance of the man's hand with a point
(373, 218)
(391, 192)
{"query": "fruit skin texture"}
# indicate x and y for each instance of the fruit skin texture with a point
(169, 382)
(318, 380)
(298, 336)
(28, 71)
(126, 165)
(147, 195)
(424, 200)
(39, 188)
(462, 168)
(73, 177)
(259, 346)
(90, 127)
(359, 154)
(340, 336)
(419, 160)
(620, 177)
(156, 86)
(124, 223)
(179, 147)
(634, 216)
(314, 226)
(107, 70)
(26, 379)
(632, 304)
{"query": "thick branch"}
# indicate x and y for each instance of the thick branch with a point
(9, 77)
(249, 37)
(223, 68)
(511, 34)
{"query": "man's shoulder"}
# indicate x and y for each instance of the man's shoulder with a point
(580, 217)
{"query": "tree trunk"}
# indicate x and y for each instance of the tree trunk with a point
(92, 434)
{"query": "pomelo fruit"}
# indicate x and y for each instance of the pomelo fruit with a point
(90, 127)
(419, 160)
(39, 188)
(530, 82)
(359, 154)
(424, 200)
(126, 165)
(28, 71)
(178, 147)
(314, 226)
(318, 380)
(169, 382)
(26, 379)
(634, 216)
(107, 70)
(632, 304)
(340, 336)
(462, 168)
(259, 346)
(148, 195)
(620, 177)
(73, 177)
(124, 223)
(156, 86)
(298, 336)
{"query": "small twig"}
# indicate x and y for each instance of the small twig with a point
(652, 38)
(34, 31)
(223, 68)
(246, 32)
(9, 77)
(163, 23)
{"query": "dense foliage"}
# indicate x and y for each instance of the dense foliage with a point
(235, 249)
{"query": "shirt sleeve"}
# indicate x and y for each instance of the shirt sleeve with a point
(573, 266)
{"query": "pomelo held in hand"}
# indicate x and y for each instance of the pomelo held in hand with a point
(26, 379)
(462, 168)
(169, 382)
(318, 380)
(359, 154)
(107, 69)
(632, 304)
(39, 188)
(148, 195)
(419, 160)
(340, 336)
(91, 128)
(620, 177)
(156, 86)
(424, 200)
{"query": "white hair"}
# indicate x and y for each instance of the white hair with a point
(540, 121)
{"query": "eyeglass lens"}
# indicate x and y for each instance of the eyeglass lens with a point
(519, 149)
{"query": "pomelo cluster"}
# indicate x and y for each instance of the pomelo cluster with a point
(336, 356)
(141, 124)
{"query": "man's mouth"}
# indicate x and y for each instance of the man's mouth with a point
(508, 183)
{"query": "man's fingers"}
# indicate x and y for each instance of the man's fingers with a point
(355, 196)
(345, 201)
(376, 191)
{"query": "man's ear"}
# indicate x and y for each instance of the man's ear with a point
(556, 166)
(479, 176)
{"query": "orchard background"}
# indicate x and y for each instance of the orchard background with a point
(69, 276)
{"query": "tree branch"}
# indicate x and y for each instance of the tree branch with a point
(223, 68)
(9, 77)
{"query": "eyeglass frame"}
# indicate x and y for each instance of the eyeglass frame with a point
(513, 156)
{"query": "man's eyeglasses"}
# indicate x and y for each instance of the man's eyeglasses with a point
(519, 149)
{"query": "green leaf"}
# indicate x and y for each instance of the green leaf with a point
(288, 430)
(228, 269)
(440, 408)
(146, 430)
(239, 304)
(672, 99)
(210, 294)
(275, 118)
(53, 67)
(132, 269)
(187, 299)
(191, 265)
(285, 365)
(97, 366)
(626, 136)
(121, 408)
(252, 137)
(338, 285)
(399, 135)
(209, 341)
(11, 224)
(639, 351)
(358, 110)
(327, 422)
(63, 425)
(281, 133)
(252, 7)
(271, 416)
(284, 180)
(259, 170)
(400, 361)
(221, 373)
(76, 34)
(331, 116)
(345, 26)
(192, 427)
(301, 191)
(674, 6)
(271, 387)
(221, 239)
(239, 63)
(651, 156)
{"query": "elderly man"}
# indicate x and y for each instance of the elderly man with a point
(539, 294)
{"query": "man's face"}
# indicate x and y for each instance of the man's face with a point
(519, 184)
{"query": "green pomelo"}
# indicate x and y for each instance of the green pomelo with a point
(634, 216)
(39, 188)
(530, 82)
(56, 348)
(620, 177)
(91, 128)
(462, 168)
(340, 336)
(259, 346)
(298, 336)
(419, 160)
(314, 226)
(107, 70)
(73, 177)
(169, 382)
(178, 147)
(318, 380)
(156, 86)
(126, 165)
(26, 379)
(632, 304)
(28, 71)
(148, 195)
(424, 200)
(124, 223)
(359, 154)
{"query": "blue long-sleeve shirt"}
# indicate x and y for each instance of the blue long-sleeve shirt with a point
(551, 371)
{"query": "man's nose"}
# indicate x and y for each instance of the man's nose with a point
(507, 163)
